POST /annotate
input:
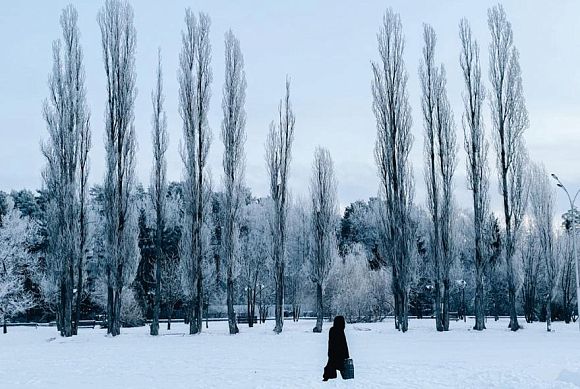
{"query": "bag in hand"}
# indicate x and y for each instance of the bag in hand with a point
(348, 370)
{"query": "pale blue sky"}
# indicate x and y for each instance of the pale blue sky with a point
(326, 48)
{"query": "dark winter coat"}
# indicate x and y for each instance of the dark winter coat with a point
(337, 348)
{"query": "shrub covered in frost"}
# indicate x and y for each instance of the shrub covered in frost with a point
(355, 291)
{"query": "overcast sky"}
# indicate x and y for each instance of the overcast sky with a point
(326, 48)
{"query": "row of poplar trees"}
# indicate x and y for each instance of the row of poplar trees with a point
(66, 152)
(509, 120)
(65, 177)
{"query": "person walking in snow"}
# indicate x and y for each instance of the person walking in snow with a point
(337, 349)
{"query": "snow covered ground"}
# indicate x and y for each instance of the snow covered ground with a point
(257, 358)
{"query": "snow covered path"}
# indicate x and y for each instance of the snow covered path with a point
(257, 358)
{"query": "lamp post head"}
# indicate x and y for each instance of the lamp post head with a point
(559, 185)
(555, 177)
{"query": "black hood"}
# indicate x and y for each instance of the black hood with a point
(339, 323)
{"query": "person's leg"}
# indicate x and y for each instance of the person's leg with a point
(329, 372)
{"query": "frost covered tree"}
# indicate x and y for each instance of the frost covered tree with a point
(359, 225)
(254, 252)
(234, 137)
(439, 152)
(495, 275)
(195, 78)
(531, 261)
(65, 176)
(84, 233)
(299, 254)
(121, 231)
(324, 209)
(509, 121)
(158, 184)
(566, 282)
(356, 291)
(542, 207)
(278, 157)
(17, 234)
(446, 154)
(476, 148)
(394, 139)
(428, 74)
(171, 291)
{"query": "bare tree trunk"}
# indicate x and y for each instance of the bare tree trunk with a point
(68, 302)
(169, 316)
(58, 313)
(249, 306)
(446, 304)
(233, 326)
(117, 311)
(63, 306)
(253, 306)
(479, 302)
(438, 306)
(193, 322)
(396, 305)
(403, 311)
(319, 313)
(110, 304)
(513, 325)
(207, 315)
(549, 312)
(157, 303)
(199, 299)
(279, 308)
(187, 314)
(79, 293)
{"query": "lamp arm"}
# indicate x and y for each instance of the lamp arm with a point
(575, 196)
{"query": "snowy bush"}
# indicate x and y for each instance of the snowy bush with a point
(355, 291)
(131, 311)
(16, 234)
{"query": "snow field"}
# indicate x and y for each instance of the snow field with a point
(257, 358)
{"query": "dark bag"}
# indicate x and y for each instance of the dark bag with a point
(348, 370)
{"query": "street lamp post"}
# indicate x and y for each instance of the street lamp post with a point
(573, 208)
